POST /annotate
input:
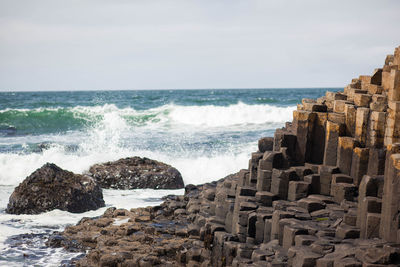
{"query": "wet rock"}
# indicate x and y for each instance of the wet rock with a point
(136, 172)
(51, 187)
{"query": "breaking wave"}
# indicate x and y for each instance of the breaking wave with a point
(57, 120)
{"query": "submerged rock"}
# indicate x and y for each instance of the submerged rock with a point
(136, 172)
(51, 187)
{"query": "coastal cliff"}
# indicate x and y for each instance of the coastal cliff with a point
(324, 191)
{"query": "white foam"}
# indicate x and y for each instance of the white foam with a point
(207, 169)
(105, 141)
(238, 114)
(207, 116)
(15, 167)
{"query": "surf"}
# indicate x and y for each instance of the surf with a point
(58, 120)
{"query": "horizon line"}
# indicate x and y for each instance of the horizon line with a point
(169, 89)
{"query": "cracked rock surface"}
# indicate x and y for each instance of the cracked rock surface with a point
(51, 187)
(135, 173)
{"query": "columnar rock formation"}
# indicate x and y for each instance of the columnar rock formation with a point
(338, 163)
(324, 191)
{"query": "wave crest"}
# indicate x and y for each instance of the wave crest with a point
(51, 120)
(238, 114)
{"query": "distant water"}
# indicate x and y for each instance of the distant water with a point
(205, 134)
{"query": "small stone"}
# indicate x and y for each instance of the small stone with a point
(311, 204)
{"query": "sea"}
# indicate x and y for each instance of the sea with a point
(205, 134)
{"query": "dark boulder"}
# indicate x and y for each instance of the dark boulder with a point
(136, 172)
(51, 187)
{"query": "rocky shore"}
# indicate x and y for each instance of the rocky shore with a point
(324, 191)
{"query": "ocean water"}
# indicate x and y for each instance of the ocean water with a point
(205, 134)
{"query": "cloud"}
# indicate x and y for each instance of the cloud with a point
(86, 45)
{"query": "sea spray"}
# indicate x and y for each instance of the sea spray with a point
(238, 114)
(111, 135)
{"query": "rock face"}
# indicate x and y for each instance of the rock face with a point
(136, 172)
(325, 191)
(51, 187)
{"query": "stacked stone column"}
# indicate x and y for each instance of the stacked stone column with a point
(334, 172)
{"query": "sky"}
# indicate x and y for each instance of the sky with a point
(173, 44)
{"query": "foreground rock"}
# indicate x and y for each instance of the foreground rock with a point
(51, 187)
(154, 236)
(136, 172)
(197, 230)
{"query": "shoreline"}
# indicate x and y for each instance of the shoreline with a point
(16, 229)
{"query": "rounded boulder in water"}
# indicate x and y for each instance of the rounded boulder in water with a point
(51, 187)
(135, 173)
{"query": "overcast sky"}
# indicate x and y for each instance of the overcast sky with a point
(134, 44)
